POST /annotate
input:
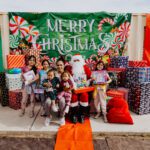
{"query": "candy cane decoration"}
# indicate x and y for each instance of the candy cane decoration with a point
(101, 51)
(117, 44)
(105, 20)
(19, 26)
(89, 61)
(33, 31)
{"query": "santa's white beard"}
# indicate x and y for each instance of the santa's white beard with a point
(77, 68)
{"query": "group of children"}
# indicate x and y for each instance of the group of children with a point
(52, 87)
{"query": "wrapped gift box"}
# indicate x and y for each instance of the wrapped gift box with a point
(118, 78)
(4, 96)
(119, 62)
(116, 69)
(15, 61)
(14, 81)
(142, 63)
(115, 93)
(15, 98)
(2, 79)
(139, 97)
(36, 53)
(138, 74)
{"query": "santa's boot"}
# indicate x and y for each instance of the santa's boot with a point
(81, 114)
(73, 115)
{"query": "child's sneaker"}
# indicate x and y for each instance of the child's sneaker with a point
(47, 121)
(62, 121)
(54, 108)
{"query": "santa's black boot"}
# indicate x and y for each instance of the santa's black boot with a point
(81, 114)
(73, 115)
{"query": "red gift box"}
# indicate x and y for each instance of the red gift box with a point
(15, 61)
(84, 89)
(116, 69)
(142, 63)
(115, 93)
(15, 98)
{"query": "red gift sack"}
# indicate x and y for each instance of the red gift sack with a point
(15, 98)
(118, 111)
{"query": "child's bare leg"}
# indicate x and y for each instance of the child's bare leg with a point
(42, 97)
(97, 106)
(23, 102)
(102, 95)
(32, 99)
(48, 106)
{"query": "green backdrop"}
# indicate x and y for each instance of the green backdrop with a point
(69, 33)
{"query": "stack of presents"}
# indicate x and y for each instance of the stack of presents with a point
(130, 80)
(11, 80)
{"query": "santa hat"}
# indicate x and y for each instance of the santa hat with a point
(77, 56)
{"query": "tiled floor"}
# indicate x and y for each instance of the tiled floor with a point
(10, 121)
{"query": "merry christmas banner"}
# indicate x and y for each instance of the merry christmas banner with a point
(69, 33)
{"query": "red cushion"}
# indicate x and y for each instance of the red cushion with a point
(118, 111)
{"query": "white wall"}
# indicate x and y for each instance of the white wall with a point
(4, 25)
(136, 37)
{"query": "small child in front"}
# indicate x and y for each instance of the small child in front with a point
(66, 86)
(51, 84)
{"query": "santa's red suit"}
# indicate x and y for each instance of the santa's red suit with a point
(82, 98)
(79, 101)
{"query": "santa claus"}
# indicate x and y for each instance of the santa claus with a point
(79, 102)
